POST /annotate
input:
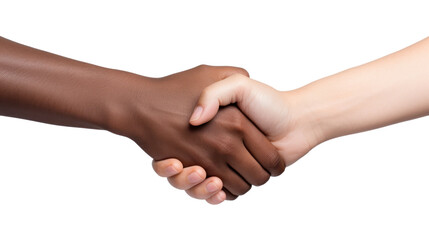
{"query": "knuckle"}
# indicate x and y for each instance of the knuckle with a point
(235, 118)
(226, 146)
(239, 125)
(242, 71)
(203, 67)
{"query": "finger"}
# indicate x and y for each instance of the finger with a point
(263, 151)
(229, 195)
(189, 177)
(217, 198)
(206, 189)
(222, 93)
(234, 183)
(245, 165)
(168, 167)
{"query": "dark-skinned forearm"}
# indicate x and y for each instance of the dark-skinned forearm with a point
(154, 113)
(45, 87)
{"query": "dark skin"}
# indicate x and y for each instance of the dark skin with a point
(153, 112)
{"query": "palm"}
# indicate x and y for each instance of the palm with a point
(273, 112)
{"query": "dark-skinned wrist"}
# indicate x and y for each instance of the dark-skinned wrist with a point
(122, 93)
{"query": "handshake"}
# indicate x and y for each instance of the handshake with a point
(213, 131)
(256, 133)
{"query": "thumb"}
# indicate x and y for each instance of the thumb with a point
(222, 93)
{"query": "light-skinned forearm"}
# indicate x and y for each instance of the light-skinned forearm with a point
(389, 90)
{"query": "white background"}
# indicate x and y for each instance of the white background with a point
(66, 183)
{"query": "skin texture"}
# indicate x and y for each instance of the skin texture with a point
(226, 146)
(386, 91)
(154, 113)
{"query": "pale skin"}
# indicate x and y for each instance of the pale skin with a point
(386, 91)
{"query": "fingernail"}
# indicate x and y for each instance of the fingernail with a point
(171, 170)
(212, 187)
(197, 113)
(194, 178)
